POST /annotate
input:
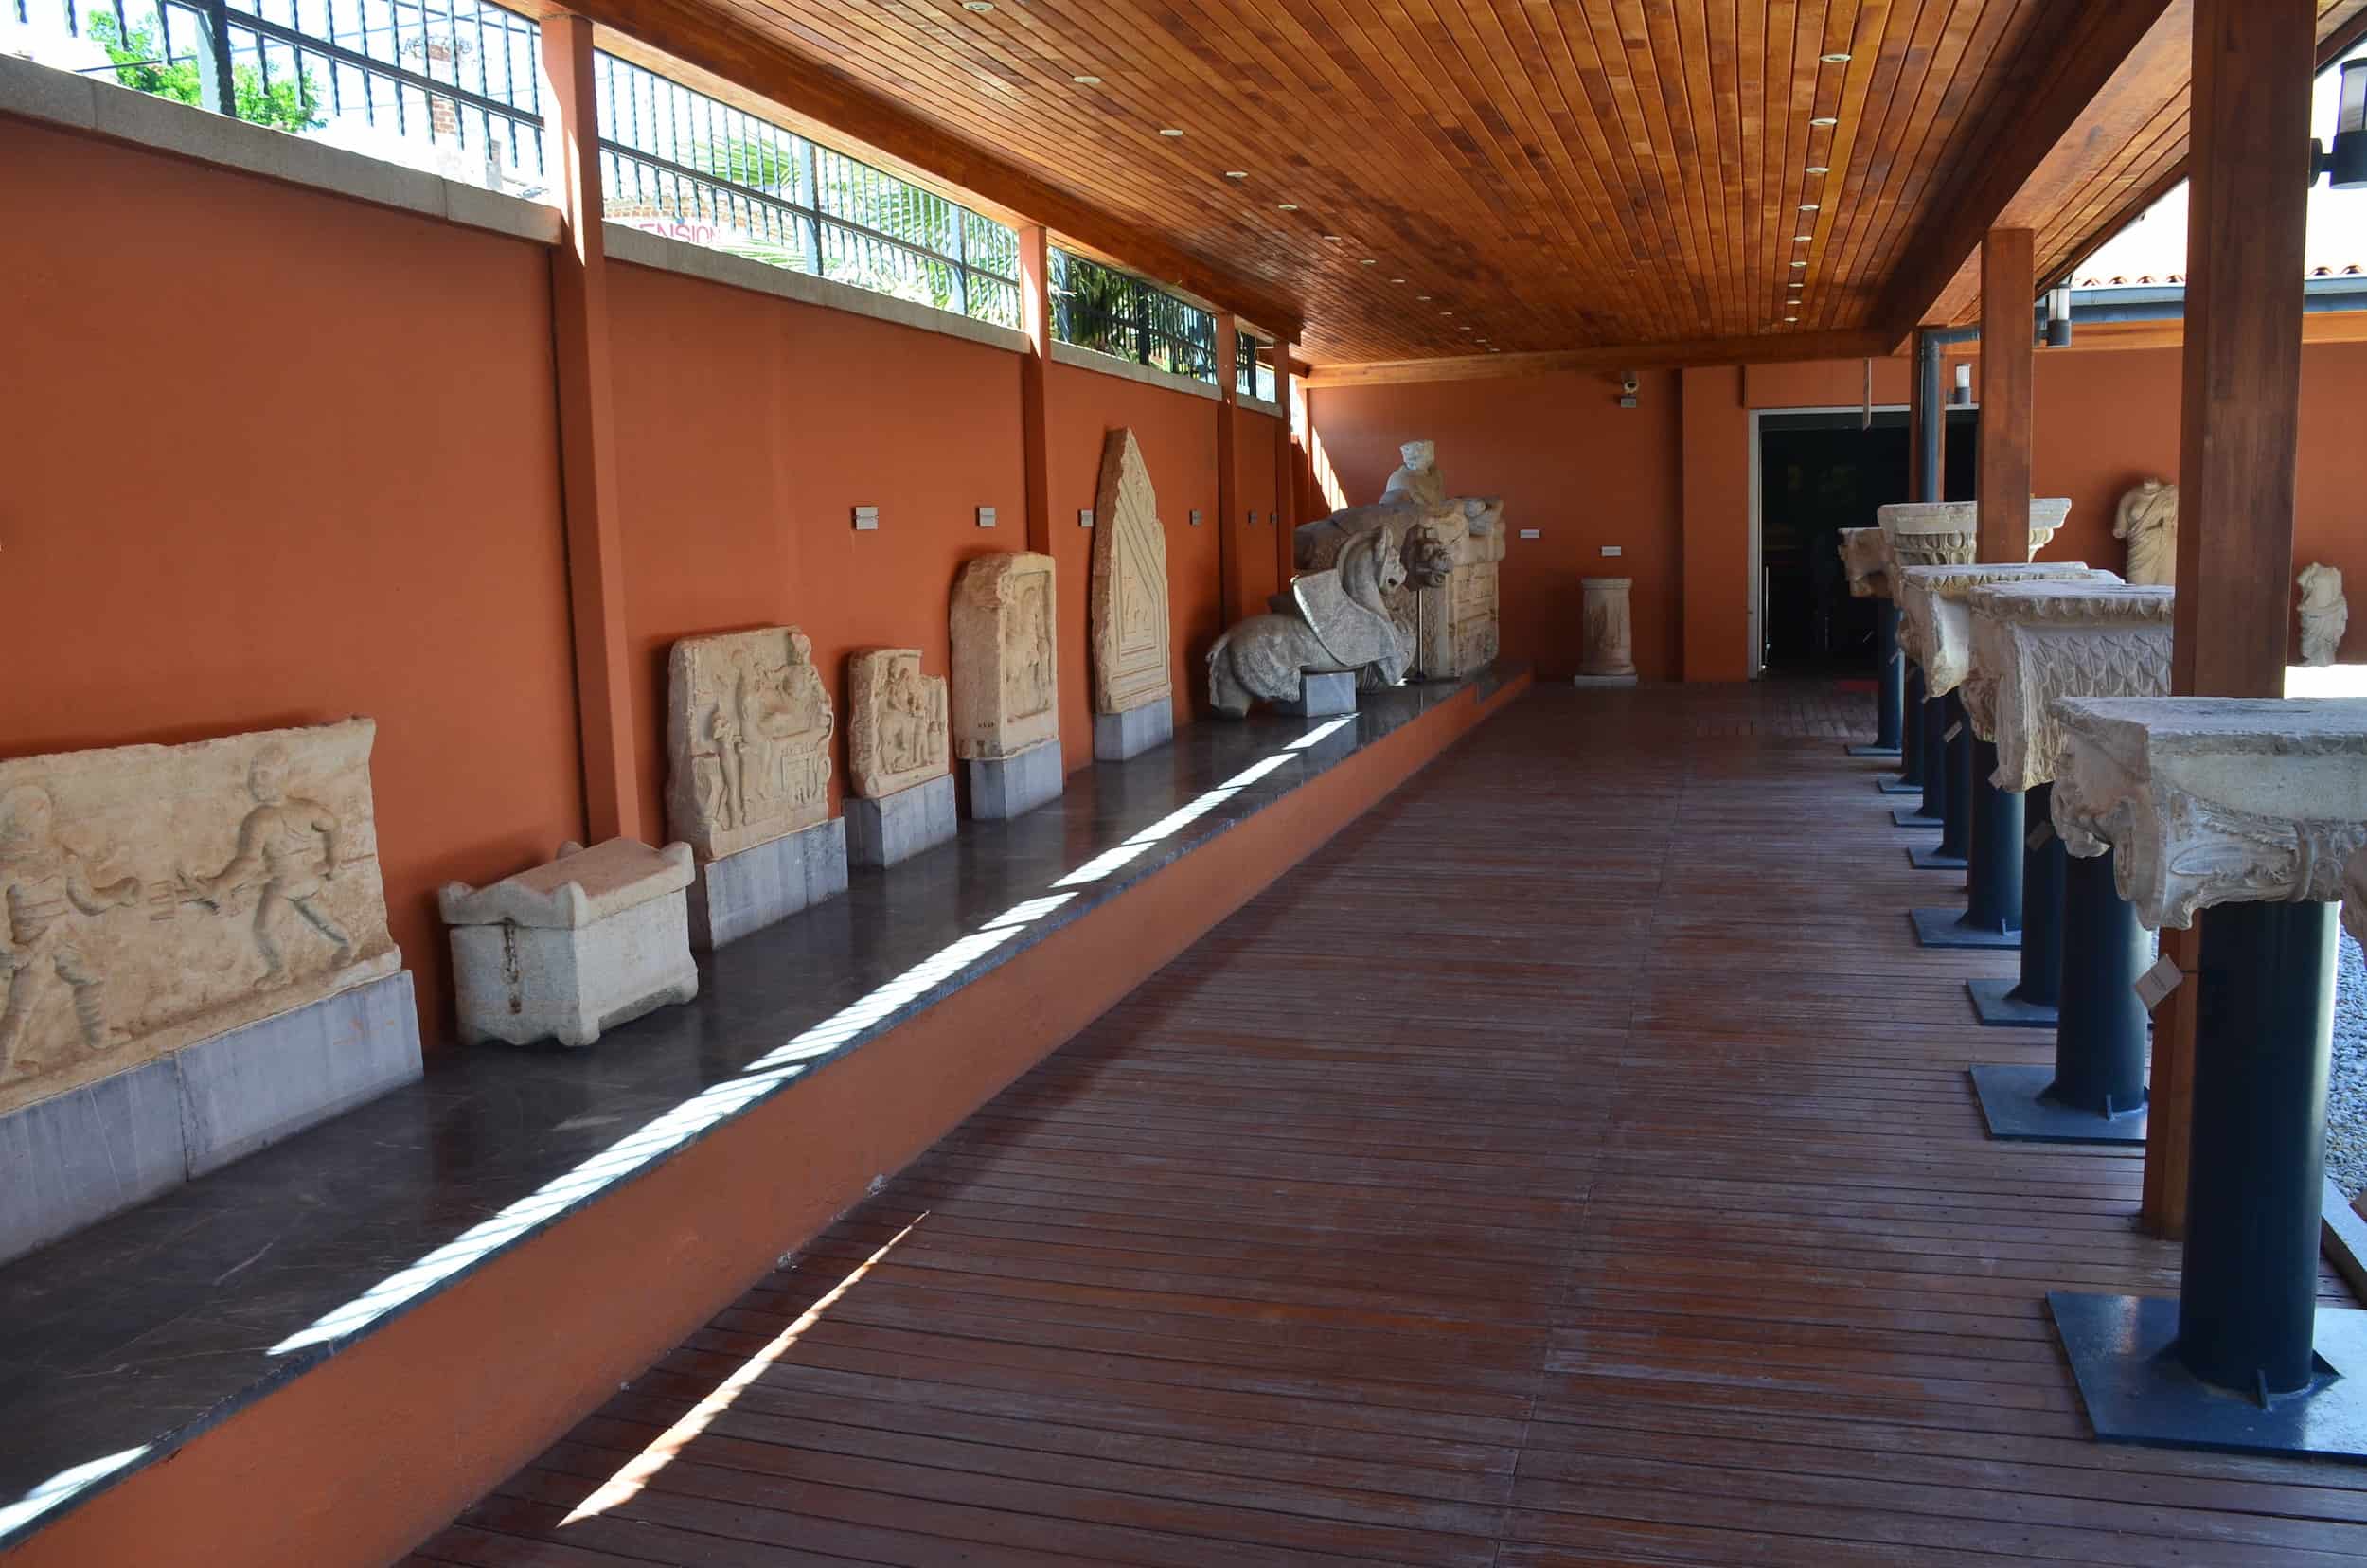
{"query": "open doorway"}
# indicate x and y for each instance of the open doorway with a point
(1820, 472)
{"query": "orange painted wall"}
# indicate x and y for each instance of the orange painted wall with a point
(1254, 491)
(275, 458)
(1178, 434)
(1568, 461)
(751, 427)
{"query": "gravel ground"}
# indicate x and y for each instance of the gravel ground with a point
(2346, 1084)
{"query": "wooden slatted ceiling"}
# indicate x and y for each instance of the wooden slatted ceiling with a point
(2126, 151)
(1554, 175)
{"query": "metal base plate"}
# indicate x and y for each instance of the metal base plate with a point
(1930, 859)
(1945, 928)
(1899, 785)
(2135, 1393)
(2010, 1102)
(1873, 751)
(1909, 816)
(2000, 1009)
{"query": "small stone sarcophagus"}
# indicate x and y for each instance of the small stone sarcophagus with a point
(594, 939)
(1006, 684)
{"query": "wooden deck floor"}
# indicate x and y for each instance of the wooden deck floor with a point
(1571, 1164)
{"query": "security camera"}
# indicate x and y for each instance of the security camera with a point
(1628, 382)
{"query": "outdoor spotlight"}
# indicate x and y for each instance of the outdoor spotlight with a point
(2059, 320)
(1960, 394)
(2347, 164)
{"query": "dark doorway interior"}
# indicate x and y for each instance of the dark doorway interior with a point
(1819, 474)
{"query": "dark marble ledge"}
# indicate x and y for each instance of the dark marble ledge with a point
(135, 1335)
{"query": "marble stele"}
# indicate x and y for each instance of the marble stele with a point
(895, 725)
(1339, 624)
(1865, 555)
(1935, 625)
(1948, 533)
(1007, 681)
(747, 723)
(1126, 603)
(592, 939)
(2032, 642)
(151, 897)
(2148, 519)
(1446, 609)
(2211, 800)
(2326, 614)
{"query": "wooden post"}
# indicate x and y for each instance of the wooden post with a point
(587, 439)
(1231, 540)
(2248, 208)
(2002, 488)
(1035, 319)
(1296, 431)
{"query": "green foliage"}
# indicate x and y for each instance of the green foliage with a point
(289, 104)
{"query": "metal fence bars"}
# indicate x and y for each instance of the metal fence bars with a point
(1115, 314)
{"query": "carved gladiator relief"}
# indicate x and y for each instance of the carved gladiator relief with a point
(1125, 602)
(1007, 682)
(2326, 614)
(154, 895)
(1865, 556)
(2148, 519)
(1446, 609)
(2211, 800)
(748, 724)
(1947, 533)
(2036, 641)
(1934, 627)
(895, 728)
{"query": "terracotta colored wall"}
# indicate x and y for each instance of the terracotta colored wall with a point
(1567, 460)
(275, 458)
(750, 428)
(1178, 434)
(1254, 438)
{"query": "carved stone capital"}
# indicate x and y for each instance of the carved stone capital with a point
(2211, 800)
(2032, 642)
(1934, 626)
(1945, 533)
(1865, 554)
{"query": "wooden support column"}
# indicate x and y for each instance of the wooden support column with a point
(2247, 209)
(1294, 432)
(1232, 539)
(587, 437)
(1035, 319)
(2007, 288)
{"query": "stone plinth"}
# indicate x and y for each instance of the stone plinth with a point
(2211, 800)
(1007, 681)
(1934, 625)
(1120, 736)
(1610, 630)
(896, 827)
(594, 938)
(1947, 533)
(1008, 785)
(2033, 642)
(1319, 697)
(743, 893)
(1865, 555)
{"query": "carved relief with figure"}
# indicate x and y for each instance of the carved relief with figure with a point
(895, 730)
(748, 731)
(154, 895)
(1005, 683)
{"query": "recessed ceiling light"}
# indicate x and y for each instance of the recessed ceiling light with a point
(1333, 238)
(1368, 261)
(1799, 263)
(1086, 80)
(1791, 318)
(1493, 350)
(1397, 280)
(1824, 120)
(981, 6)
(1286, 207)
(1446, 312)
(1237, 173)
(1807, 206)
(1837, 58)
(1169, 130)
(1819, 169)
(1803, 238)
(1421, 297)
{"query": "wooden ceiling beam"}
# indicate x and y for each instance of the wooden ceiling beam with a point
(808, 91)
(1648, 356)
(2103, 35)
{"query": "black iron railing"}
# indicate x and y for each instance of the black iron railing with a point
(1115, 314)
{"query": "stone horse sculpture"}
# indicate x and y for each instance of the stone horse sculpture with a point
(1339, 624)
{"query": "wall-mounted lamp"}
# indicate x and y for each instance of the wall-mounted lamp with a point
(2059, 320)
(1961, 394)
(2347, 163)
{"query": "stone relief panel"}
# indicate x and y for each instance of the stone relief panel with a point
(1125, 602)
(154, 895)
(895, 729)
(747, 723)
(2211, 800)
(1007, 683)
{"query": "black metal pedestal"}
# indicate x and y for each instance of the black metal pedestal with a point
(1888, 691)
(2029, 1001)
(1909, 779)
(1992, 914)
(1946, 793)
(2248, 1362)
(2095, 1092)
